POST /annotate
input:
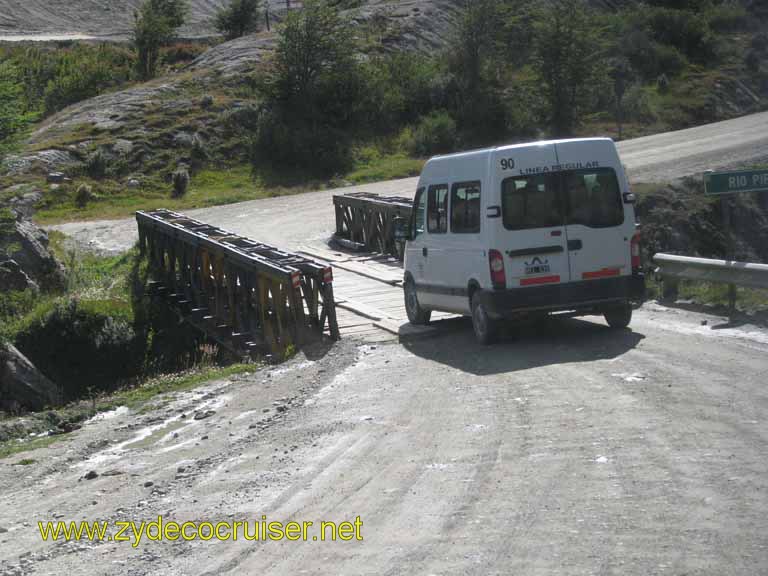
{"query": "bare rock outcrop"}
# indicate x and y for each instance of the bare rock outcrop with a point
(27, 246)
(13, 278)
(23, 385)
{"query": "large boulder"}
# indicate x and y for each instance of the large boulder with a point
(27, 245)
(23, 385)
(13, 278)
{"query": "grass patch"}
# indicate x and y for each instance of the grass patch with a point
(13, 447)
(747, 299)
(380, 167)
(136, 397)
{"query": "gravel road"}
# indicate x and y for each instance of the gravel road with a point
(292, 221)
(571, 449)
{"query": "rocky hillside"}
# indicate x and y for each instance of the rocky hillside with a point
(101, 18)
(113, 19)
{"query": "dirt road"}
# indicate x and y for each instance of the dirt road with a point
(568, 450)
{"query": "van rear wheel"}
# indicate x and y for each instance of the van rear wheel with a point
(618, 316)
(486, 328)
(416, 314)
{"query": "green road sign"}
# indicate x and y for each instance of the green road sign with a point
(717, 183)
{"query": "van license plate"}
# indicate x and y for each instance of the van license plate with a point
(537, 266)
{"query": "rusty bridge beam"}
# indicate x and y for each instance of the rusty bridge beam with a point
(245, 295)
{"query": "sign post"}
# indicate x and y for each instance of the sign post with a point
(724, 184)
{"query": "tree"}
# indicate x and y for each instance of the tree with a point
(241, 17)
(315, 50)
(622, 75)
(155, 24)
(11, 102)
(566, 46)
(174, 11)
(313, 93)
(472, 61)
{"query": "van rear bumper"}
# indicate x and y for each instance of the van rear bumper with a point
(587, 295)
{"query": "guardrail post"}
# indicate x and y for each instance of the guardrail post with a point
(670, 288)
(725, 207)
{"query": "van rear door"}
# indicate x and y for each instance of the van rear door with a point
(531, 234)
(599, 226)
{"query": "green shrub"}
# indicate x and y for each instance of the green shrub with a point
(82, 345)
(728, 18)
(638, 105)
(180, 180)
(12, 116)
(83, 195)
(435, 134)
(96, 165)
(181, 53)
(13, 305)
(83, 73)
(316, 150)
(239, 18)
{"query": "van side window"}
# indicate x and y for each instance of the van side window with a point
(593, 198)
(437, 209)
(465, 208)
(419, 213)
(529, 202)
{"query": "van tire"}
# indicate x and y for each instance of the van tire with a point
(618, 317)
(416, 314)
(486, 328)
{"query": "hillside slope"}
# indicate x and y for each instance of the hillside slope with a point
(113, 19)
(102, 18)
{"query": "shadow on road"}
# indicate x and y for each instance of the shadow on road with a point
(554, 341)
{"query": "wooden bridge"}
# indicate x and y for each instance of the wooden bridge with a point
(366, 221)
(249, 297)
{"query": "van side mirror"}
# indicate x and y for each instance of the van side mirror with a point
(629, 198)
(402, 229)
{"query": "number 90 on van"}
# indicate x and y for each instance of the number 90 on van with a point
(532, 228)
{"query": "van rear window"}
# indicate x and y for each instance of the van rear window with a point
(587, 197)
(593, 198)
(531, 202)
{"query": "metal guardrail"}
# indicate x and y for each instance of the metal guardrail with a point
(366, 221)
(718, 271)
(245, 295)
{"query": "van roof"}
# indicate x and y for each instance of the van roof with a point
(482, 151)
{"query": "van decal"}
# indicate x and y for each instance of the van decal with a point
(539, 280)
(604, 273)
(559, 168)
(536, 266)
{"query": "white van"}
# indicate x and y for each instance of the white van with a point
(540, 227)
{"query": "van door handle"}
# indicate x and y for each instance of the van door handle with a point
(424, 251)
(575, 245)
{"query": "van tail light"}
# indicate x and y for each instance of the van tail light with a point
(496, 263)
(635, 251)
